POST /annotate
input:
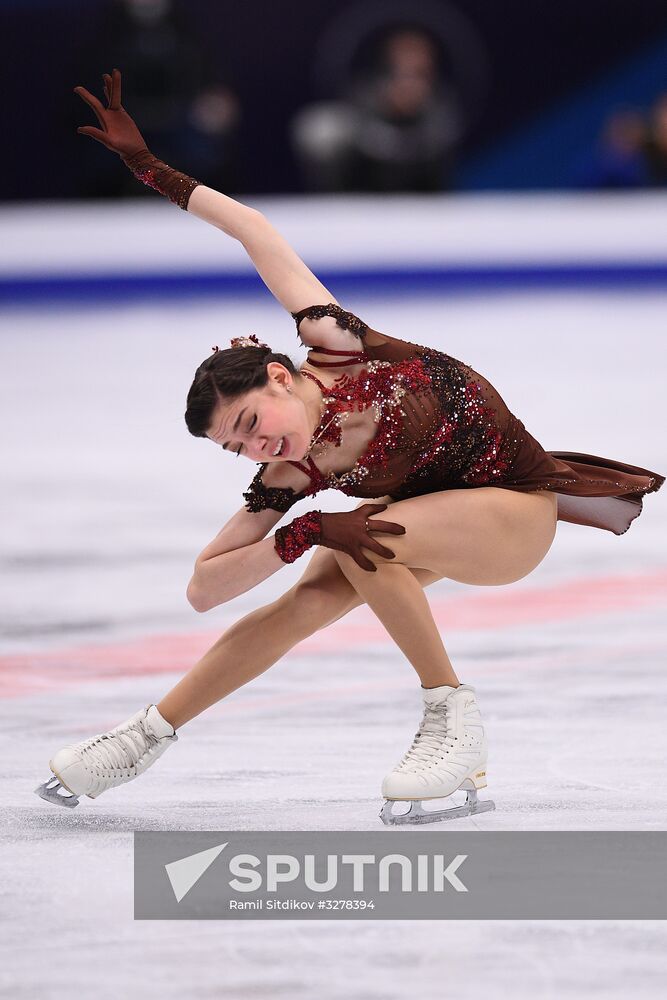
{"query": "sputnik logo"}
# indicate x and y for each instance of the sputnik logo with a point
(186, 872)
(431, 871)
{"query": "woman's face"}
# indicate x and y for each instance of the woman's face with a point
(262, 421)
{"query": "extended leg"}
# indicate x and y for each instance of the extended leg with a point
(247, 649)
(257, 641)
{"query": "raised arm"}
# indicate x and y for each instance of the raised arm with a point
(281, 269)
(278, 265)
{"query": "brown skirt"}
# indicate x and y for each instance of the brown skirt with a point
(594, 491)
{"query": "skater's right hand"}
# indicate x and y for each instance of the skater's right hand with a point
(118, 132)
(347, 532)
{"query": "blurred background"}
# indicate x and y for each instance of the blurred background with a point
(333, 95)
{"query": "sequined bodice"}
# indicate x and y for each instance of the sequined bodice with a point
(439, 423)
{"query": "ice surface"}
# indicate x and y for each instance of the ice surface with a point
(106, 502)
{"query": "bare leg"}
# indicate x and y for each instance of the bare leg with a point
(400, 604)
(485, 536)
(482, 536)
(257, 641)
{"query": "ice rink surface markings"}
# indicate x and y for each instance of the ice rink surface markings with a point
(27, 674)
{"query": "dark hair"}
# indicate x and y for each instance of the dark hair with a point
(228, 374)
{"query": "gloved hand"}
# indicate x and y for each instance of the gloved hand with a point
(347, 531)
(118, 132)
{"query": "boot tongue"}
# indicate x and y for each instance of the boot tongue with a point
(432, 696)
(157, 725)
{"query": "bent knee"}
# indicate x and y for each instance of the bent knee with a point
(318, 601)
(349, 565)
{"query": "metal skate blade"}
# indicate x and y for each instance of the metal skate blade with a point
(49, 791)
(417, 814)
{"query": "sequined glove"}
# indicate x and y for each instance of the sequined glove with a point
(348, 531)
(120, 134)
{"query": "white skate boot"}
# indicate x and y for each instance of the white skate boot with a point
(448, 752)
(107, 760)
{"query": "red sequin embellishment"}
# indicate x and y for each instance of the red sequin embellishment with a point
(298, 536)
(381, 385)
(440, 425)
(147, 176)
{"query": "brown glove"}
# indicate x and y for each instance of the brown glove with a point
(120, 134)
(348, 531)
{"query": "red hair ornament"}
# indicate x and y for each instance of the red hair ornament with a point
(249, 341)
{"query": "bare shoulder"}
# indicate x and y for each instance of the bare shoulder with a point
(283, 475)
(330, 325)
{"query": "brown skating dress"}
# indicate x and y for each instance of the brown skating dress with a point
(442, 426)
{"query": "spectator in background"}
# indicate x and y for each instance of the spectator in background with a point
(618, 160)
(655, 148)
(211, 137)
(189, 117)
(398, 130)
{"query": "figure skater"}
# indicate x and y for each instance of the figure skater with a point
(473, 498)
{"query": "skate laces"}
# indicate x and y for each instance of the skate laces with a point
(434, 734)
(120, 752)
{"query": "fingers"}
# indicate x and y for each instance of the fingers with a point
(92, 102)
(365, 563)
(387, 526)
(115, 90)
(112, 90)
(381, 550)
(95, 133)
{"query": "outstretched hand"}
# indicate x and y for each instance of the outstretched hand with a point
(347, 532)
(118, 131)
